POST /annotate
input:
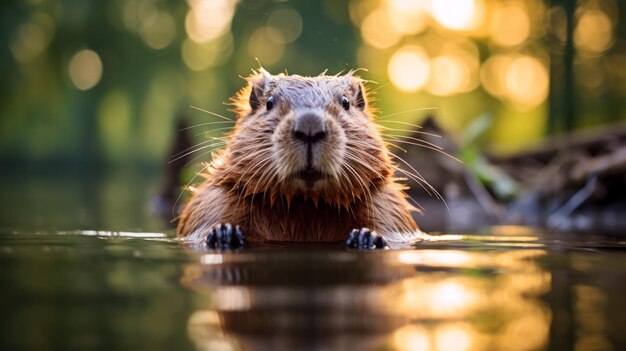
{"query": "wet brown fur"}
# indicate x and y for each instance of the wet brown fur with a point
(251, 182)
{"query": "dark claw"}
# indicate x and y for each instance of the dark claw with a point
(365, 239)
(225, 237)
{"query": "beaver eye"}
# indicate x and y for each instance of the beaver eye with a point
(345, 103)
(269, 104)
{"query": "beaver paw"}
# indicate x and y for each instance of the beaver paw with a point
(365, 239)
(225, 237)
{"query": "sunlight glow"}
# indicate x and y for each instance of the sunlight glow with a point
(456, 14)
(209, 19)
(409, 16)
(437, 258)
(411, 337)
(451, 337)
(231, 298)
(452, 296)
(409, 68)
(211, 259)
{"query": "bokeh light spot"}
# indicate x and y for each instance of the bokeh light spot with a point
(85, 69)
(114, 120)
(510, 26)
(451, 337)
(263, 44)
(455, 14)
(411, 337)
(409, 16)
(409, 68)
(492, 74)
(32, 37)
(288, 22)
(378, 31)
(450, 75)
(594, 32)
(209, 19)
(200, 56)
(160, 32)
(526, 81)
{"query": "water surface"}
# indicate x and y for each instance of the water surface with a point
(507, 288)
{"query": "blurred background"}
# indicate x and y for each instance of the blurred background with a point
(93, 91)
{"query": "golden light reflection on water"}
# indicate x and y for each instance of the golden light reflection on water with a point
(403, 300)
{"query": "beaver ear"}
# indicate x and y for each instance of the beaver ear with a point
(355, 84)
(361, 102)
(358, 91)
(259, 82)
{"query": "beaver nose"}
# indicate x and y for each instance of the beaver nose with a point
(309, 128)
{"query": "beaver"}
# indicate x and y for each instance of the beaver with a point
(305, 162)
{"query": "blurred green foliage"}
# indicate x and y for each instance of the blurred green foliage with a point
(96, 83)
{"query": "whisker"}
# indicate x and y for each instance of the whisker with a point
(182, 191)
(204, 124)
(370, 91)
(417, 178)
(408, 130)
(407, 111)
(211, 113)
(396, 146)
(421, 182)
(192, 151)
(210, 140)
(212, 130)
(438, 195)
(204, 153)
(434, 148)
(418, 140)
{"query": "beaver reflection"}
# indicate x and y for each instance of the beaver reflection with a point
(300, 300)
(413, 300)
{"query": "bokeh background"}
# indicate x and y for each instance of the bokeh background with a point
(93, 91)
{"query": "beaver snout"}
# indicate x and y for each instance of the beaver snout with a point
(309, 128)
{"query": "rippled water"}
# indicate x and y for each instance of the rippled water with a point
(509, 288)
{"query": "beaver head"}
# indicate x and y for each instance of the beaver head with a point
(303, 136)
